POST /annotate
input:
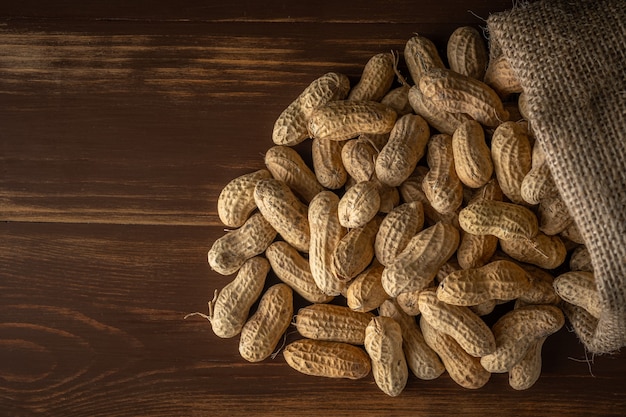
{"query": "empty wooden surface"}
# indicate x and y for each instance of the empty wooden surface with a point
(119, 125)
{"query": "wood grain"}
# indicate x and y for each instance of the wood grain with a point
(120, 122)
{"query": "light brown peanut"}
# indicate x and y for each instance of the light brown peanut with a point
(545, 251)
(236, 200)
(512, 158)
(501, 78)
(441, 184)
(332, 323)
(420, 54)
(397, 229)
(581, 260)
(229, 252)
(472, 157)
(383, 343)
(284, 211)
(408, 302)
(444, 121)
(327, 359)
(291, 127)
(294, 270)
(467, 52)
(538, 183)
(326, 232)
(376, 78)
(579, 288)
(457, 93)
(420, 358)
(498, 218)
(389, 196)
(264, 329)
(405, 147)
(359, 159)
(355, 250)
(541, 290)
(229, 310)
(287, 165)
(527, 371)
(398, 100)
(416, 266)
(327, 163)
(497, 280)
(516, 331)
(359, 205)
(553, 214)
(342, 119)
(572, 234)
(464, 326)
(366, 292)
(463, 368)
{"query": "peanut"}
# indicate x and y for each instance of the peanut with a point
(229, 252)
(326, 232)
(498, 218)
(572, 234)
(284, 211)
(376, 79)
(457, 93)
(472, 157)
(459, 322)
(294, 270)
(291, 126)
(441, 184)
(383, 343)
(359, 205)
(416, 266)
(355, 250)
(497, 280)
(236, 200)
(287, 165)
(541, 290)
(366, 292)
(398, 100)
(554, 216)
(581, 260)
(512, 159)
(545, 251)
(396, 229)
(444, 121)
(229, 310)
(332, 323)
(262, 332)
(405, 147)
(579, 288)
(501, 78)
(538, 183)
(463, 368)
(342, 119)
(420, 54)
(527, 371)
(327, 163)
(327, 359)
(389, 196)
(467, 52)
(359, 159)
(516, 331)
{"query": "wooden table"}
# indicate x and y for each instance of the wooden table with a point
(119, 126)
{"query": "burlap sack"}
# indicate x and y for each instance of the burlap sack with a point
(570, 57)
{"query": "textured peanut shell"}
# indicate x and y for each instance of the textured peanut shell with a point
(416, 266)
(581, 260)
(420, 358)
(502, 219)
(333, 323)
(579, 288)
(408, 302)
(405, 147)
(538, 183)
(327, 359)
(396, 229)
(355, 250)
(359, 159)
(467, 52)
(327, 163)
(512, 158)
(359, 205)
(326, 232)
(528, 370)
(420, 54)
(457, 93)
(342, 119)
(294, 270)
(398, 100)
(376, 78)
(383, 343)
(501, 78)
(366, 292)
(444, 121)
(459, 322)
(284, 211)
(441, 184)
(291, 127)
(541, 290)
(229, 310)
(287, 165)
(389, 196)
(497, 280)
(230, 251)
(472, 157)
(516, 331)
(545, 251)
(236, 200)
(262, 332)
(463, 368)
(554, 216)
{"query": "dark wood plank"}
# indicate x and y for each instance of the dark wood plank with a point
(91, 323)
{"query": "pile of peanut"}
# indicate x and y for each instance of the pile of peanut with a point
(426, 206)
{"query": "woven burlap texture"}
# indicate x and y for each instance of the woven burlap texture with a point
(570, 58)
